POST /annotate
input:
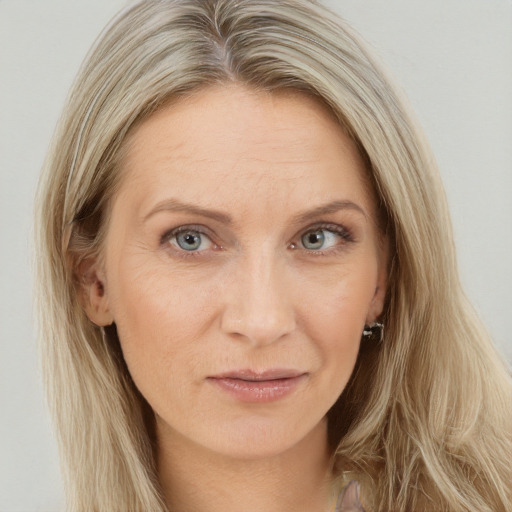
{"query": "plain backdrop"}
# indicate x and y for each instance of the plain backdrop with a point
(453, 58)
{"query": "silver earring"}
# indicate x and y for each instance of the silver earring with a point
(374, 332)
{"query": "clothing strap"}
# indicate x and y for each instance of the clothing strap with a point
(348, 500)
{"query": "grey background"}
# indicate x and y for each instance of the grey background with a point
(452, 57)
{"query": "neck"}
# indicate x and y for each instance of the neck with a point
(195, 479)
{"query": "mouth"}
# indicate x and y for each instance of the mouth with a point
(258, 386)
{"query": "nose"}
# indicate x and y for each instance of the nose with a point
(257, 300)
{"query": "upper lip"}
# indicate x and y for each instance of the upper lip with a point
(255, 375)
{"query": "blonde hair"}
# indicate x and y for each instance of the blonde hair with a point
(425, 422)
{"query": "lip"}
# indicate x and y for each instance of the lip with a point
(258, 386)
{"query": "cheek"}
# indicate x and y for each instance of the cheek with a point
(333, 315)
(335, 305)
(160, 316)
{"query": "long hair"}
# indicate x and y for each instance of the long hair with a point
(425, 422)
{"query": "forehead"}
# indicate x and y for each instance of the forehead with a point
(235, 145)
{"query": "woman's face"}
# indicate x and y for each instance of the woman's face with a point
(240, 265)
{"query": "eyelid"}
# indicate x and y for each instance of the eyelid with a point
(203, 230)
(338, 229)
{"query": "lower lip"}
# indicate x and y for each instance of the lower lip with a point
(258, 391)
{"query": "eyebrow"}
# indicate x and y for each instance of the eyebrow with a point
(326, 209)
(173, 205)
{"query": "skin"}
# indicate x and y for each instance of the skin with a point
(254, 294)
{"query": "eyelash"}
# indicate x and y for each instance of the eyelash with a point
(344, 233)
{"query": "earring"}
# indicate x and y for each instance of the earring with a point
(374, 332)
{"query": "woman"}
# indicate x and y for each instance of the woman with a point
(248, 287)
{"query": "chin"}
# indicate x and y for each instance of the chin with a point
(253, 439)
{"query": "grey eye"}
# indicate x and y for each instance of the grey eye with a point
(322, 239)
(189, 240)
(313, 240)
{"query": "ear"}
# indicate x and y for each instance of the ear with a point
(381, 285)
(92, 292)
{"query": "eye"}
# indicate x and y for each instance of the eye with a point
(189, 240)
(321, 239)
